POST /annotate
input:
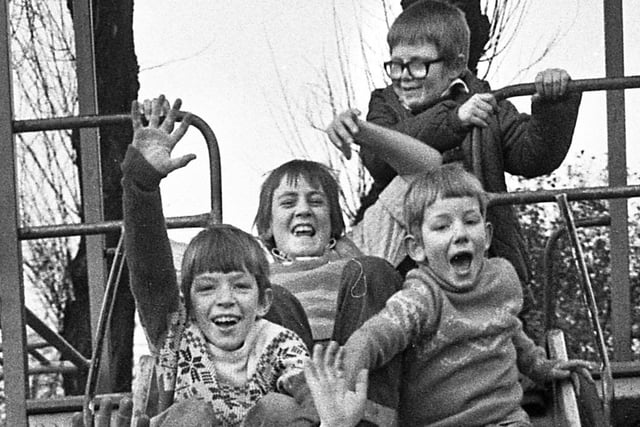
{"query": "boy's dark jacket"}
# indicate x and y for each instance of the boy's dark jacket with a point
(517, 143)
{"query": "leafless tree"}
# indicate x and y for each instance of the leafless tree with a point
(45, 86)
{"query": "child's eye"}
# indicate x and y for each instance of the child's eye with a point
(472, 220)
(316, 201)
(287, 203)
(203, 286)
(242, 285)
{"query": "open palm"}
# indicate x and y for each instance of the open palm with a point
(156, 140)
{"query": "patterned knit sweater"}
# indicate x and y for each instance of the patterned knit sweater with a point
(233, 381)
(463, 348)
(188, 367)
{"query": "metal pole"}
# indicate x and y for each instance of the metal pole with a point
(617, 166)
(90, 166)
(12, 301)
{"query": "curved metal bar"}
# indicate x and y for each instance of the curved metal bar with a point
(476, 153)
(588, 193)
(61, 230)
(547, 266)
(78, 122)
(578, 257)
(581, 85)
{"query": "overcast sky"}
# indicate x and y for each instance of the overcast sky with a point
(221, 59)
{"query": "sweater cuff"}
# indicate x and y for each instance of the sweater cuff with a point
(136, 169)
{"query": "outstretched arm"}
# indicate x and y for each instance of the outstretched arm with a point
(149, 259)
(405, 154)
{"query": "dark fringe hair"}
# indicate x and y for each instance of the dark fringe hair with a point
(318, 176)
(223, 248)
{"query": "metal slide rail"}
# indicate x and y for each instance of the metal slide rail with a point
(590, 299)
(547, 265)
(58, 230)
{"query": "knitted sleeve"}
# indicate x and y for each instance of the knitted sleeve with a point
(290, 355)
(532, 359)
(149, 259)
(437, 126)
(411, 312)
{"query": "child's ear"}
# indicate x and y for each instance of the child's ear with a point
(265, 302)
(458, 66)
(488, 227)
(414, 248)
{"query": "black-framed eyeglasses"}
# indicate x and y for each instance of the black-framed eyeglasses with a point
(418, 68)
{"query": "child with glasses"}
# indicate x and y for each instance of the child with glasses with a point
(456, 316)
(435, 99)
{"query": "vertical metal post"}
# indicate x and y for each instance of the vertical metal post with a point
(91, 169)
(617, 165)
(12, 300)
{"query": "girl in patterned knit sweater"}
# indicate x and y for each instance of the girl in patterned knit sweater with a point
(457, 316)
(216, 357)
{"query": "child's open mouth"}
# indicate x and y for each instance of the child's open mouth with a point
(461, 262)
(226, 321)
(303, 230)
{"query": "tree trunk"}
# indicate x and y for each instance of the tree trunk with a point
(117, 86)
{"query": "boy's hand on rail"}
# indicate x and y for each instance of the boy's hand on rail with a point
(343, 130)
(551, 84)
(563, 369)
(156, 140)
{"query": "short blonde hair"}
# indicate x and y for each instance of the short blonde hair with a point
(447, 181)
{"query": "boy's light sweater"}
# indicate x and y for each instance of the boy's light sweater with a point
(463, 348)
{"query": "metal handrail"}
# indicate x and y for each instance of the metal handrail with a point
(78, 122)
(587, 288)
(587, 193)
(547, 265)
(581, 85)
(108, 301)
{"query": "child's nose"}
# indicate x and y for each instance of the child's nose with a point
(303, 208)
(224, 296)
(461, 233)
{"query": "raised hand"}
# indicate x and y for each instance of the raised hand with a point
(343, 129)
(477, 110)
(156, 140)
(337, 406)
